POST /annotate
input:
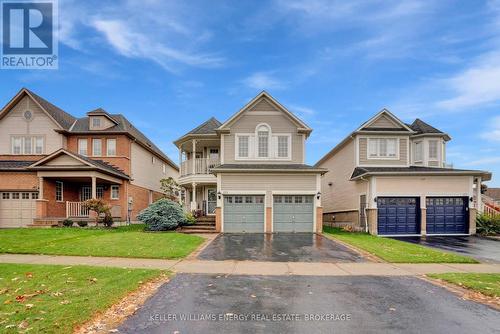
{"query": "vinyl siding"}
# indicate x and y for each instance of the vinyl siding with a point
(363, 154)
(424, 185)
(41, 124)
(342, 194)
(279, 123)
(146, 174)
(268, 183)
(105, 123)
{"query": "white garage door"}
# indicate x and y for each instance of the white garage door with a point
(17, 209)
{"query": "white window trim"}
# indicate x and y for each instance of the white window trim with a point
(81, 140)
(270, 152)
(275, 141)
(107, 147)
(98, 126)
(111, 192)
(93, 147)
(253, 146)
(32, 139)
(421, 142)
(429, 150)
(62, 191)
(368, 157)
(237, 146)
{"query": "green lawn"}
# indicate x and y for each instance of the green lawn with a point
(488, 284)
(127, 241)
(395, 251)
(54, 299)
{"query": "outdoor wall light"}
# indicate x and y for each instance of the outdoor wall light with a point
(318, 195)
(219, 195)
(375, 199)
(471, 199)
(330, 184)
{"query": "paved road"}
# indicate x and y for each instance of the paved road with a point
(367, 304)
(482, 249)
(283, 247)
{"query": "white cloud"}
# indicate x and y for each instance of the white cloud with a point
(483, 161)
(263, 81)
(492, 132)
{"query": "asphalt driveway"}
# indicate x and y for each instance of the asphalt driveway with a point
(279, 247)
(482, 249)
(193, 303)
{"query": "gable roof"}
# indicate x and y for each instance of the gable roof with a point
(102, 112)
(206, 128)
(59, 116)
(302, 126)
(391, 116)
(92, 164)
(421, 128)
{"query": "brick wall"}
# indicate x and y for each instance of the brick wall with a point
(18, 181)
(140, 198)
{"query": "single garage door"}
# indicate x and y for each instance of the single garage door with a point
(293, 213)
(243, 213)
(17, 209)
(398, 215)
(447, 215)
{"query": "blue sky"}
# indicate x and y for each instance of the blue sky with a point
(169, 65)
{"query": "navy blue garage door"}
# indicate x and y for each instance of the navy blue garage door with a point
(398, 215)
(447, 215)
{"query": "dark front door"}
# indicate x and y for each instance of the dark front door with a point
(447, 215)
(398, 215)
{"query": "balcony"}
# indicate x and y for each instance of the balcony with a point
(202, 166)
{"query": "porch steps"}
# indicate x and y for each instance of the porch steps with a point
(204, 224)
(45, 222)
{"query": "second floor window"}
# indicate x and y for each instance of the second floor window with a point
(382, 148)
(111, 147)
(283, 146)
(82, 146)
(419, 154)
(243, 146)
(433, 150)
(27, 145)
(96, 122)
(96, 147)
(263, 142)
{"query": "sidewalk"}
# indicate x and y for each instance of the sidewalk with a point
(257, 268)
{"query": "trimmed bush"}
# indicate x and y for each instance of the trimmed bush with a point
(487, 225)
(83, 223)
(162, 215)
(190, 220)
(67, 222)
(107, 220)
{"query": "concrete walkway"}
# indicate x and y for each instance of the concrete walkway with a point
(257, 267)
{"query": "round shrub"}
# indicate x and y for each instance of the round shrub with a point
(190, 220)
(107, 220)
(67, 222)
(162, 215)
(82, 223)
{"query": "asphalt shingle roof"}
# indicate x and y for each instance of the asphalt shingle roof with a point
(207, 127)
(14, 164)
(421, 127)
(358, 171)
(64, 119)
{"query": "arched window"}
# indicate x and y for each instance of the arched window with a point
(263, 134)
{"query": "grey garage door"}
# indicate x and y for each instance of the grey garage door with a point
(244, 213)
(293, 213)
(17, 209)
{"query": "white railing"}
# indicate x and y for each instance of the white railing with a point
(76, 209)
(201, 165)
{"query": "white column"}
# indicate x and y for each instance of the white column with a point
(94, 187)
(193, 199)
(40, 187)
(479, 201)
(193, 156)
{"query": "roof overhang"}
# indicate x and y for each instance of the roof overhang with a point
(192, 136)
(485, 176)
(388, 114)
(445, 136)
(270, 170)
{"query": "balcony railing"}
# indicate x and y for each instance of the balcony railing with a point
(76, 210)
(201, 166)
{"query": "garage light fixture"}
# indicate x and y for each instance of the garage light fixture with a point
(471, 199)
(219, 195)
(318, 195)
(375, 199)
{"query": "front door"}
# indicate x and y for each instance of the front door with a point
(211, 200)
(86, 193)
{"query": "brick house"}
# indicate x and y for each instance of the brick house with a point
(51, 161)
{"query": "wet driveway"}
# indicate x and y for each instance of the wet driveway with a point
(482, 249)
(278, 247)
(193, 303)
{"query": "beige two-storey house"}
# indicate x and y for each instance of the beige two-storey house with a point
(391, 178)
(51, 162)
(249, 172)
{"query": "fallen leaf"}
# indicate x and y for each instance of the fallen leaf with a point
(2, 291)
(9, 326)
(14, 279)
(7, 302)
(56, 294)
(23, 325)
(253, 296)
(93, 280)
(28, 306)
(29, 275)
(113, 331)
(65, 302)
(392, 309)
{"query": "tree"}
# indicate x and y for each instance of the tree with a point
(170, 188)
(99, 207)
(162, 215)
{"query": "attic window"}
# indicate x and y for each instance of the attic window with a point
(96, 122)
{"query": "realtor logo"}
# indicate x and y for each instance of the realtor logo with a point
(29, 34)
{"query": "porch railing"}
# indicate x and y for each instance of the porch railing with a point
(76, 210)
(201, 166)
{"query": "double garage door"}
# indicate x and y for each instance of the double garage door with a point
(246, 213)
(17, 209)
(401, 215)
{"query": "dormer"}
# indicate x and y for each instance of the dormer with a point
(99, 119)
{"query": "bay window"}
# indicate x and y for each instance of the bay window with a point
(433, 149)
(419, 153)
